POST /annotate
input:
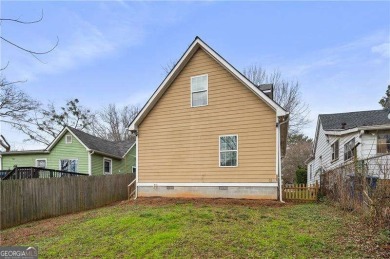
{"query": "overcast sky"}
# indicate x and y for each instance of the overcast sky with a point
(114, 51)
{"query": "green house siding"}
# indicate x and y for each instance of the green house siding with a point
(74, 150)
(118, 166)
(9, 161)
(61, 150)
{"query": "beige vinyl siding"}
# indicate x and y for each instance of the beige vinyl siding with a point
(180, 143)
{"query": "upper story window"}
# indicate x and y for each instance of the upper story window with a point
(335, 150)
(199, 90)
(349, 149)
(228, 150)
(68, 139)
(383, 143)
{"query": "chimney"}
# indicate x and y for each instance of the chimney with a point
(343, 125)
(268, 89)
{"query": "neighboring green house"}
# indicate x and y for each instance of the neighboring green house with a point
(76, 151)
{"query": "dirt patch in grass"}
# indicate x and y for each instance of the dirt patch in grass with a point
(159, 201)
(37, 229)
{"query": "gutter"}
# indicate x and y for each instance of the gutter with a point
(280, 160)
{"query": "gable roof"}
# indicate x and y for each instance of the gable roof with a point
(351, 120)
(116, 149)
(195, 45)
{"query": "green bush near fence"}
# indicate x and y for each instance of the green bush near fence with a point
(301, 176)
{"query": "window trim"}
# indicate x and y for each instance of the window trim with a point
(338, 151)
(219, 150)
(36, 162)
(104, 160)
(352, 150)
(377, 142)
(77, 164)
(66, 139)
(207, 90)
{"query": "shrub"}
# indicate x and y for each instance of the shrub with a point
(301, 176)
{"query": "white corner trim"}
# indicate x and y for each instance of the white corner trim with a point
(136, 167)
(89, 162)
(277, 146)
(209, 184)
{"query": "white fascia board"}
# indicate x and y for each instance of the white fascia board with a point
(208, 184)
(196, 44)
(59, 136)
(128, 150)
(375, 127)
(340, 132)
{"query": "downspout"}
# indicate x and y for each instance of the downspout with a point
(280, 160)
(136, 167)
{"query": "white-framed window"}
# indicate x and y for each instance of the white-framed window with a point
(107, 166)
(349, 149)
(199, 90)
(228, 150)
(68, 139)
(383, 143)
(134, 169)
(69, 165)
(41, 162)
(335, 150)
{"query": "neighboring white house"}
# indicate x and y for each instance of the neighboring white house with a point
(342, 136)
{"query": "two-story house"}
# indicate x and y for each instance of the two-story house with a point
(207, 131)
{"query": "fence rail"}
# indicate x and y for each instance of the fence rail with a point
(37, 172)
(33, 199)
(300, 192)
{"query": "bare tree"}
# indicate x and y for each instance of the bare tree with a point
(15, 107)
(34, 53)
(112, 122)
(169, 66)
(298, 150)
(46, 123)
(286, 94)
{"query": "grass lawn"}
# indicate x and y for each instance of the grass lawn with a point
(201, 228)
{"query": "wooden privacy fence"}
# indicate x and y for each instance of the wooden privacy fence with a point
(33, 199)
(300, 192)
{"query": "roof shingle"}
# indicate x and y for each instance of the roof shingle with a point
(354, 119)
(114, 148)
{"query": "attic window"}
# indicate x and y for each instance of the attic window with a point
(199, 90)
(68, 139)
